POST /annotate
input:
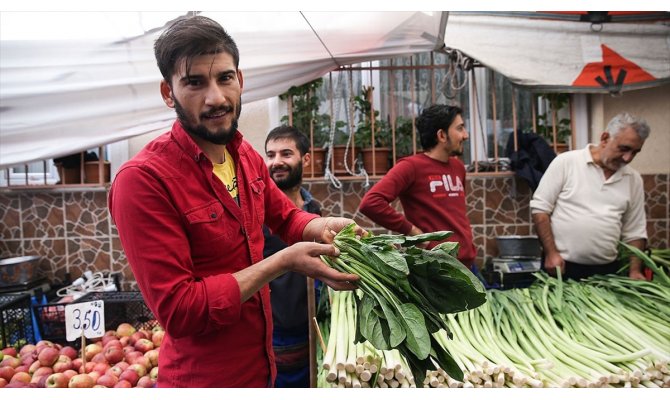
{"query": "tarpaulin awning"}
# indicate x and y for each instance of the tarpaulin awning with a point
(74, 81)
(553, 52)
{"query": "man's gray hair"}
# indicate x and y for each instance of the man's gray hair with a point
(625, 120)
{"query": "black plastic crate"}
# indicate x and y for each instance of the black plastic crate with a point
(50, 319)
(119, 307)
(16, 324)
(123, 307)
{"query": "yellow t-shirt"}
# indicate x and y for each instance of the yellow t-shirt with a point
(226, 172)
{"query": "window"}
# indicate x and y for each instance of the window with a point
(36, 173)
(67, 170)
(393, 92)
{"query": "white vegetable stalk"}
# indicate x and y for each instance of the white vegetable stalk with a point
(573, 334)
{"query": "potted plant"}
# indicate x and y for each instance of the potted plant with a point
(304, 107)
(403, 137)
(550, 121)
(373, 135)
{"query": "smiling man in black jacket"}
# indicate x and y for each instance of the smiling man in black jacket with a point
(287, 153)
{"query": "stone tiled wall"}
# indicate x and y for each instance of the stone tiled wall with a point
(73, 231)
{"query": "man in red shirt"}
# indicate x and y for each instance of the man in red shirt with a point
(190, 208)
(430, 185)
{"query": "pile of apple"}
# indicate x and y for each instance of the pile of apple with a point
(123, 358)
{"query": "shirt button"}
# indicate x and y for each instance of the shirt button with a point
(213, 215)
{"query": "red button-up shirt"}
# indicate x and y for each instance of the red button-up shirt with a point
(184, 237)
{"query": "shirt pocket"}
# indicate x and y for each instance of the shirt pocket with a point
(206, 223)
(258, 198)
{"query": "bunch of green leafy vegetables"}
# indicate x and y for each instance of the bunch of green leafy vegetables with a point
(405, 289)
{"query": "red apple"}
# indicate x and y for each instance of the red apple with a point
(77, 363)
(122, 364)
(69, 374)
(145, 382)
(10, 351)
(108, 338)
(48, 343)
(48, 356)
(124, 340)
(43, 344)
(157, 338)
(57, 380)
(129, 375)
(114, 342)
(95, 375)
(101, 367)
(91, 350)
(113, 354)
(62, 364)
(115, 370)
(21, 377)
(69, 351)
(81, 381)
(33, 367)
(133, 355)
(9, 361)
(39, 381)
(43, 371)
(137, 336)
(153, 374)
(125, 329)
(7, 372)
(3, 382)
(87, 367)
(99, 358)
(108, 380)
(143, 361)
(123, 384)
(152, 356)
(144, 345)
(21, 368)
(139, 368)
(27, 349)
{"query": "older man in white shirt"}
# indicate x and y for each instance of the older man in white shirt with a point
(590, 199)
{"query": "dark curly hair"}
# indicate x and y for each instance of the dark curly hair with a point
(290, 132)
(190, 37)
(432, 119)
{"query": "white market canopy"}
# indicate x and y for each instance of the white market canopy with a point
(74, 81)
(71, 81)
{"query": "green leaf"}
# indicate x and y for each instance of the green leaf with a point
(447, 285)
(436, 236)
(396, 329)
(358, 337)
(384, 240)
(417, 336)
(371, 325)
(383, 259)
(418, 366)
(450, 248)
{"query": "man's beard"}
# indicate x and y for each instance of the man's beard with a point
(457, 151)
(223, 136)
(293, 179)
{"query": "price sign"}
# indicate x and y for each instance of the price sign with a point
(85, 318)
